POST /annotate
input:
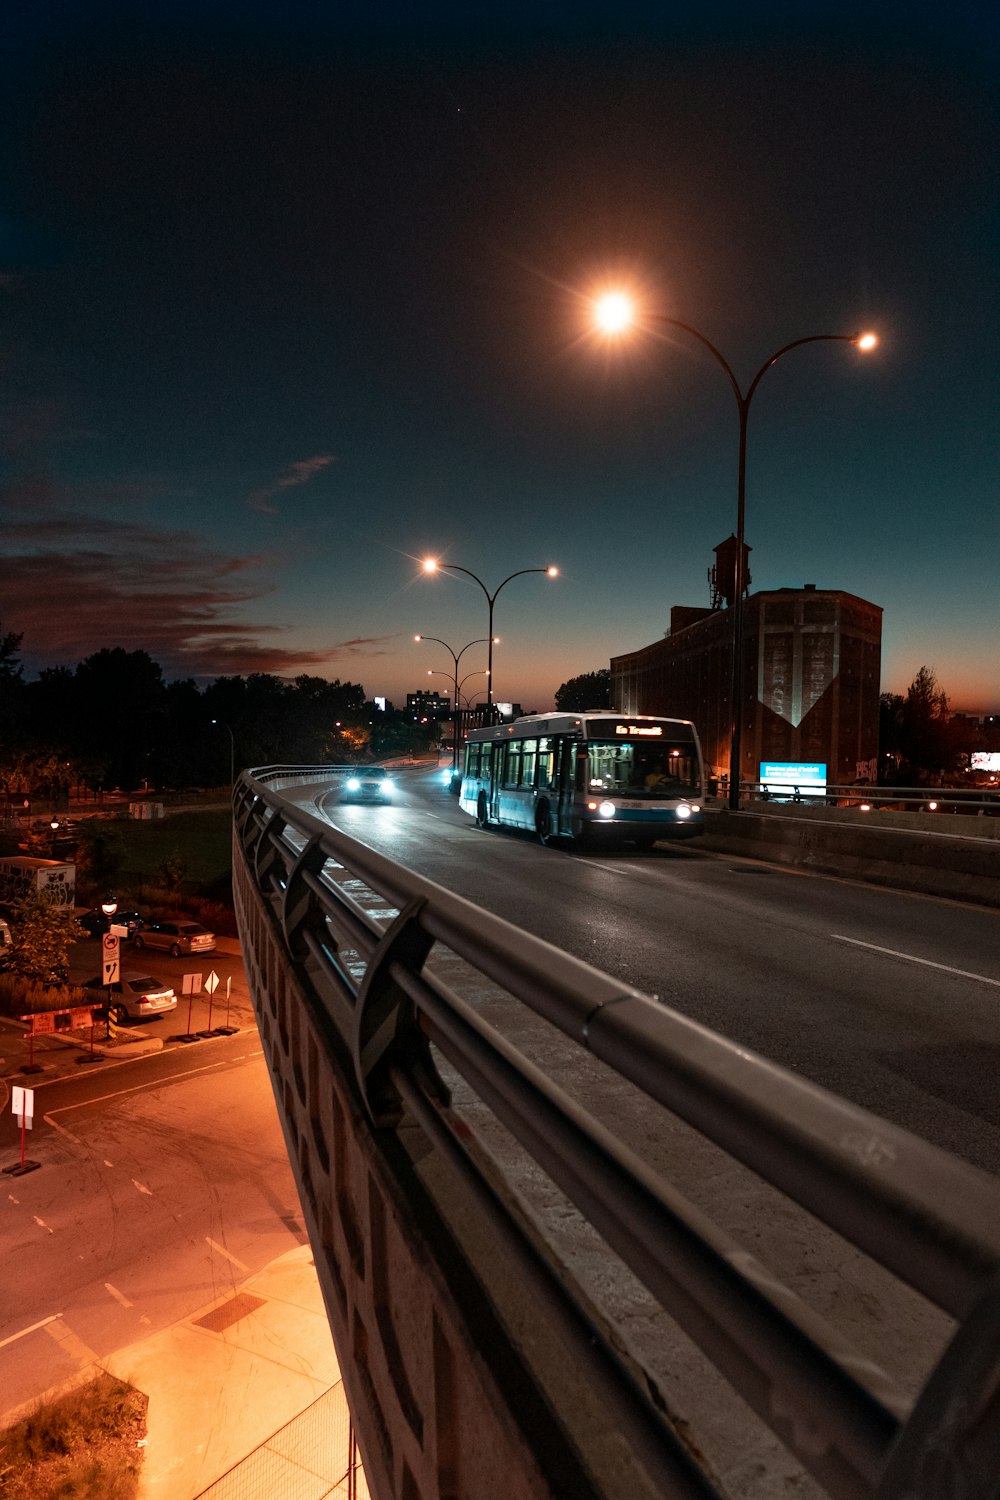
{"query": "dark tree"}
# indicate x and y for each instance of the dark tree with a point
(917, 733)
(589, 690)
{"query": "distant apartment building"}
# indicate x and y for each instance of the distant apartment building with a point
(428, 705)
(811, 669)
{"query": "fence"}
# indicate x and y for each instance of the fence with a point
(459, 1329)
(312, 1457)
(974, 801)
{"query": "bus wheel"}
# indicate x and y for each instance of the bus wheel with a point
(543, 822)
(482, 813)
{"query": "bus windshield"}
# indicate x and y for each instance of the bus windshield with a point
(643, 770)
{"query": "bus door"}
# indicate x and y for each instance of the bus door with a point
(565, 783)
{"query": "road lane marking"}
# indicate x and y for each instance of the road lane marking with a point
(118, 1296)
(221, 1250)
(13, 1337)
(595, 864)
(912, 959)
(153, 1084)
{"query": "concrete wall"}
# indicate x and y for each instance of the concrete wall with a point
(912, 853)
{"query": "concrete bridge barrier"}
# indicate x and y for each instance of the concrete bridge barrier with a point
(958, 857)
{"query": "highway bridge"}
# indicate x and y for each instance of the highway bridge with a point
(712, 1216)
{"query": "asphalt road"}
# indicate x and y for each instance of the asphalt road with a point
(889, 999)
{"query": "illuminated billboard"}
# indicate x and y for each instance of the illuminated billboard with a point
(986, 760)
(783, 778)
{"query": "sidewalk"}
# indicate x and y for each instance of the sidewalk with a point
(223, 1380)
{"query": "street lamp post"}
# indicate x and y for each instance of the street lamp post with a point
(109, 907)
(232, 751)
(432, 565)
(614, 316)
(456, 658)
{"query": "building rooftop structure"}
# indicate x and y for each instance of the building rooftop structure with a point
(811, 662)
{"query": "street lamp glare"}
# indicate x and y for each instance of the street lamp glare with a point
(614, 312)
(552, 572)
(430, 564)
(866, 340)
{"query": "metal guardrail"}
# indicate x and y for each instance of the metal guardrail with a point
(372, 989)
(943, 799)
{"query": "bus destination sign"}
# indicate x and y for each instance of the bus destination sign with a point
(648, 731)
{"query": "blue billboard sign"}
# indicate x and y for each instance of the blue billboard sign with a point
(783, 778)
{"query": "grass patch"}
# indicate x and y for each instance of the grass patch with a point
(83, 1446)
(201, 840)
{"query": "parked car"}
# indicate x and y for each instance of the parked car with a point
(95, 923)
(138, 996)
(374, 784)
(175, 937)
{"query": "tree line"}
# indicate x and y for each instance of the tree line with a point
(114, 722)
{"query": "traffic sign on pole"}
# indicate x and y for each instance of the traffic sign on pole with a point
(22, 1102)
(110, 959)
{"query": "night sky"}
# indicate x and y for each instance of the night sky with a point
(292, 296)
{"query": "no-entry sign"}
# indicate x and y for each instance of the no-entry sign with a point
(110, 961)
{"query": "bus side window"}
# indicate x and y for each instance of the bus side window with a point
(529, 752)
(546, 757)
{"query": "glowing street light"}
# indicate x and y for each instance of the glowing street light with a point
(614, 313)
(433, 565)
(456, 657)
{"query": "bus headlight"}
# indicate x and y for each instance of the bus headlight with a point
(606, 809)
(684, 810)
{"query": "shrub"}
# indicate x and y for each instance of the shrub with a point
(25, 997)
(82, 1446)
(43, 936)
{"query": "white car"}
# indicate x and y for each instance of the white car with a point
(137, 998)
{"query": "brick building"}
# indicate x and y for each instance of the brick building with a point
(811, 666)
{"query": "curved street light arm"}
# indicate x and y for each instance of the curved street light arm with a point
(518, 574)
(455, 568)
(814, 338)
(716, 353)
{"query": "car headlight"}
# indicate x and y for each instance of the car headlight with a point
(606, 809)
(388, 787)
(353, 784)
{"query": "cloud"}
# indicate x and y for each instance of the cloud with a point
(297, 473)
(74, 584)
(371, 645)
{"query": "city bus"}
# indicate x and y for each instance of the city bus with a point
(587, 776)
